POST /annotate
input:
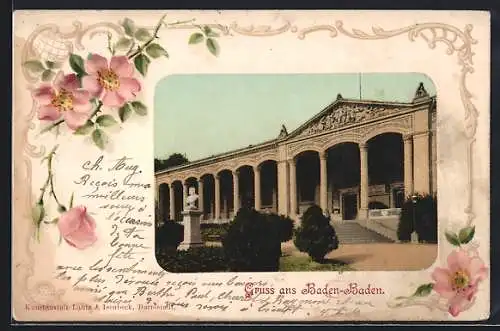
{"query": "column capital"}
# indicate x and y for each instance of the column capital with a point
(292, 161)
(407, 137)
(363, 146)
(217, 176)
(256, 168)
(236, 172)
(323, 155)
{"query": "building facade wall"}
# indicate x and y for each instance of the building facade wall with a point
(415, 122)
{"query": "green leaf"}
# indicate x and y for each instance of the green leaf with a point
(123, 43)
(37, 214)
(213, 34)
(47, 75)
(89, 56)
(466, 234)
(76, 63)
(212, 46)
(155, 51)
(125, 112)
(452, 238)
(129, 27)
(34, 66)
(71, 200)
(424, 290)
(140, 108)
(142, 34)
(106, 120)
(141, 62)
(53, 65)
(196, 38)
(85, 129)
(100, 138)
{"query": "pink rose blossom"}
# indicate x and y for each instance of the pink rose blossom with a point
(64, 98)
(77, 227)
(113, 85)
(458, 283)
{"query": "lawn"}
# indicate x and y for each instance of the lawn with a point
(304, 263)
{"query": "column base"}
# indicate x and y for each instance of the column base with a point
(187, 245)
(363, 217)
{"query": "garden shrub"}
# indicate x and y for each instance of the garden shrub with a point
(425, 223)
(169, 235)
(315, 235)
(196, 259)
(252, 242)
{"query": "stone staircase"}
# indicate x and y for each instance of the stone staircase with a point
(350, 232)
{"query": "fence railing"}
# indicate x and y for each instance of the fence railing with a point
(383, 213)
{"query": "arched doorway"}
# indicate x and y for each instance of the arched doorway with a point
(269, 186)
(343, 169)
(308, 176)
(386, 170)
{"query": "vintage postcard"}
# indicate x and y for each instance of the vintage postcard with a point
(251, 166)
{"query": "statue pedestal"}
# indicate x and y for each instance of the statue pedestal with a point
(192, 232)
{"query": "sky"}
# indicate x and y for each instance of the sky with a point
(203, 115)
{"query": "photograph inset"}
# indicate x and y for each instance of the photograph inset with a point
(309, 172)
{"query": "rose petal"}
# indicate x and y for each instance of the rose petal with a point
(48, 113)
(477, 269)
(81, 101)
(442, 277)
(69, 83)
(95, 63)
(457, 304)
(44, 94)
(74, 119)
(58, 80)
(69, 221)
(89, 221)
(91, 84)
(81, 238)
(121, 66)
(112, 99)
(458, 260)
(128, 88)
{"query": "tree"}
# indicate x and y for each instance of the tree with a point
(175, 159)
(315, 235)
(252, 242)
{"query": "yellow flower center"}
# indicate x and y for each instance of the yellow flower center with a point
(459, 280)
(63, 100)
(108, 79)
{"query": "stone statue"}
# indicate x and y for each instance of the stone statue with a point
(191, 199)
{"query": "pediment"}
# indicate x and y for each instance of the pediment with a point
(344, 113)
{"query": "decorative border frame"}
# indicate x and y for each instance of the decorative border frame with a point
(457, 41)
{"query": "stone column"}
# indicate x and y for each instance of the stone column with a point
(256, 177)
(236, 191)
(363, 155)
(184, 194)
(408, 165)
(283, 188)
(172, 201)
(201, 196)
(323, 190)
(217, 196)
(293, 186)
(421, 168)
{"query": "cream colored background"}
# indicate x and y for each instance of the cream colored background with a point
(258, 42)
